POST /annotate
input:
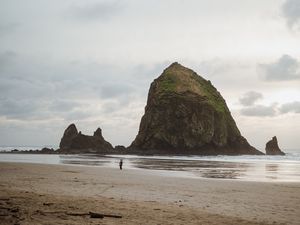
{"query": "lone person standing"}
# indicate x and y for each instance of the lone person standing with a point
(121, 164)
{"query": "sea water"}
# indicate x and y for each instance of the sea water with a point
(246, 167)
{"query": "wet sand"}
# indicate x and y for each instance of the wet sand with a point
(61, 194)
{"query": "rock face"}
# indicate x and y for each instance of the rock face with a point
(47, 150)
(272, 147)
(120, 149)
(74, 142)
(69, 134)
(185, 114)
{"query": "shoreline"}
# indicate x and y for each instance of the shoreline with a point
(272, 169)
(234, 200)
(161, 173)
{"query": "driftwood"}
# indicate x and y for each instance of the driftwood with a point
(48, 203)
(91, 214)
(10, 209)
(48, 212)
(77, 214)
(14, 209)
(109, 215)
(94, 215)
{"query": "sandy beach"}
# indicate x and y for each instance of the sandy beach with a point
(61, 194)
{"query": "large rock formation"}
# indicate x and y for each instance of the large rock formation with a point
(185, 114)
(74, 142)
(272, 147)
(69, 134)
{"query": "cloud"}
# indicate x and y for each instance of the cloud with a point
(7, 28)
(34, 89)
(6, 57)
(272, 110)
(24, 109)
(251, 109)
(285, 68)
(114, 90)
(291, 12)
(290, 107)
(63, 105)
(77, 115)
(40, 109)
(259, 111)
(103, 10)
(249, 98)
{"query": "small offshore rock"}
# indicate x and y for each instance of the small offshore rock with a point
(272, 147)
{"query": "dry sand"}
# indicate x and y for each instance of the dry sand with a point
(60, 194)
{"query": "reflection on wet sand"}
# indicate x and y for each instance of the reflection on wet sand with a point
(272, 168)
(263, 171)
(89, 160)
(272, 171)
(206, 169)
(254, 168)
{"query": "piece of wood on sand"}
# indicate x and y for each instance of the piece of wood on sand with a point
(95, 215)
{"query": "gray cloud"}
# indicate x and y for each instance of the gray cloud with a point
(114, 90)
(35, 90)
(291, 12)
(96, 11)
(249, 98)
(63, 105)
(24, 109)
(272, 110)
(7, 28)
(34, 112)
(41, 109)
(285, 68)
(259, 111)
(77, 115)
(290, 107)
(6, 58)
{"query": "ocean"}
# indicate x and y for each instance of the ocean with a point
(249, 168)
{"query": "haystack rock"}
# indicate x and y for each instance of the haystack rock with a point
(74, 142)
(185, 114)
(272, 147)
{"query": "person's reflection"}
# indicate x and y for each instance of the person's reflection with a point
(271, 170)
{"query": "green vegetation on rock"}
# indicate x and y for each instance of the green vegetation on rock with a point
(179, 79)
(168, 84)
(213, 96)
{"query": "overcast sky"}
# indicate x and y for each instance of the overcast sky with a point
(91, 63)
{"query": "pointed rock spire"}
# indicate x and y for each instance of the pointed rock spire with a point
(272, 147)
(69, 134)
(98, 132)
(74, 142)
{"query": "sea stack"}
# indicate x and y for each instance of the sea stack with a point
(272, 147)
(76, 142)
(69, 134)
(185, 114)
